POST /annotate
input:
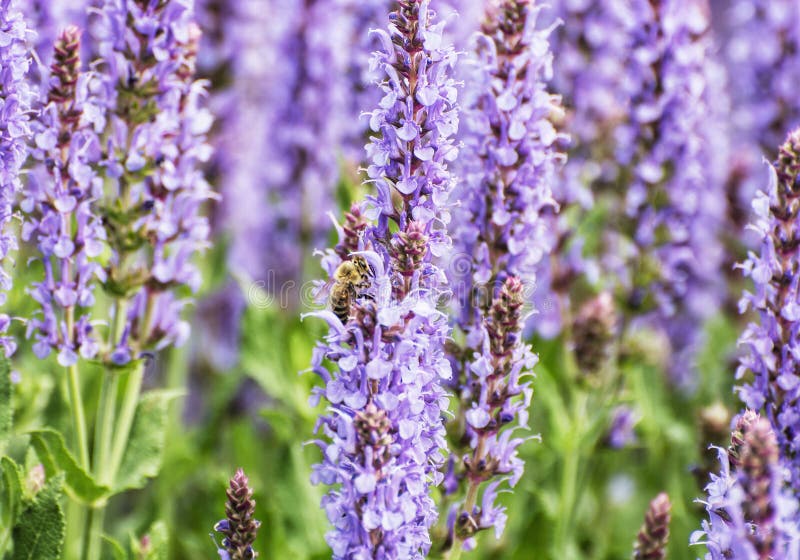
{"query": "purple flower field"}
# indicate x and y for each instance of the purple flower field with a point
(400, 279)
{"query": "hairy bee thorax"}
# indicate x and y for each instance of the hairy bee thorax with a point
(351, 280)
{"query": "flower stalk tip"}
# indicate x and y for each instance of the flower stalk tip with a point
(653, 537)
(239, 528)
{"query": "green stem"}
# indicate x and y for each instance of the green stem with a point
(78, 415)
(75, 511)
(94, 533)
(103, 441)
(125, 421)
(76, 522)
(455, 552)
(109, 453)
(469, 505)
(569, 481)
(104, 429)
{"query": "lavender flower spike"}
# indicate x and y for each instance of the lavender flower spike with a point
(239, 526)
(511, 158)
(764, 55)
(591, 58)
(298, 106)
(383, 436)
(671, 147)
(751, 512)
(773, 352)
(155, 188)
(653, 537)
(59, 204)
(16, 98)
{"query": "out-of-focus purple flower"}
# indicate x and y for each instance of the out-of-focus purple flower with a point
(591, 50)
(590, 44)
(50, 17)
(464, 19)
(382, 438)
(293, 98)
(773, 354)
(501, 232)
(156, 144)
(763, 51)
(751, 514)
(623, 424)
(675, 197)
(593, 332)
(511, 149)
(16, 98)
(59, 203)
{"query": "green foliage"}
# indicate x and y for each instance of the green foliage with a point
(274, 351)
(39, 531)
(10, 501)
(153, 545)
(6, 412)
(114, 548)
(143, 456)
(56, 458)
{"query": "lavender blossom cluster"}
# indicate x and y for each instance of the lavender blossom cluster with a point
(382, 441)
(591, 58)
(763, 53)
(120, 151)
(751, 514)
(157, 120)
(298, 108)
(16, 99)
(771, 342)
(302, 129)
(511, 153)
(50, 17)
(59, 202)
(674, 196)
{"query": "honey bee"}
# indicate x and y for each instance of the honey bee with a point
(350, 281)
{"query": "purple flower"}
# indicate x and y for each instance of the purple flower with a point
(653, 538)
(751, 513)
(292, 98)
(501, 233)
(239, 526)
(381, 440)
(59, 203)
(464, 19)
(763, 53)
(16, 98)
(511, 149)
(672, 150)
(623, 423)
(154, 192)
(772, 351)
(590, 51)
(50, 17)
(415, 126)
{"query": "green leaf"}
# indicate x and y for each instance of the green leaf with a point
(154, 544)
(10, 500)
(55, 457)
(39, 532)
(117, 552)
(142, 459)
(6, 412)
